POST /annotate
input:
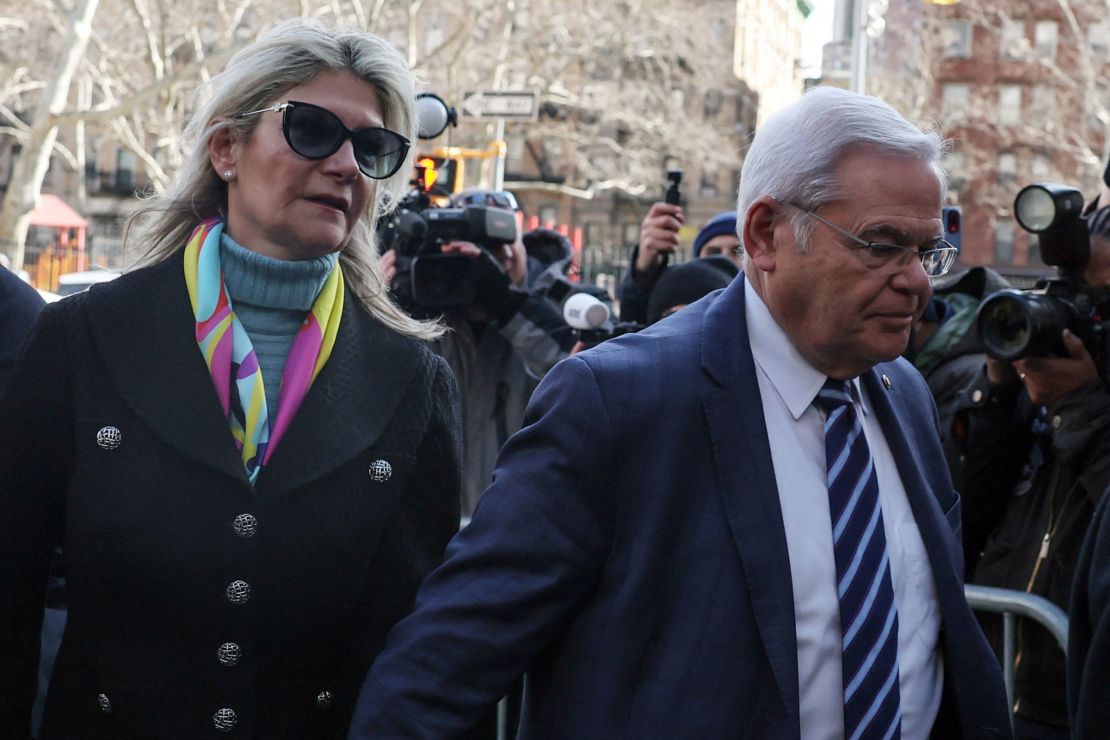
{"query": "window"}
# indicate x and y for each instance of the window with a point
(712, 103)
(1044, 39)
(630, 233)
(1041, 167)
(956, 165)
(954, 101)
(957, 39)
(708, 188)
(593, 233)
(720, 31)
(1004, 242)
(1042, 106)
(552, 151)
(1098, 37)
(125, 170)
(92, 171)
(1007, 169)
(1011, 40)
(433, 37)
(1009, 104)
(514, 153)
(549, 215)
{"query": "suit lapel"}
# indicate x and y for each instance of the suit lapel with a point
(746, 481)
(348, 406)
(144, 330)
(892, 411)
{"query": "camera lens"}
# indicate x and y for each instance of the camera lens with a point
(1013, 325)
(1004, 327)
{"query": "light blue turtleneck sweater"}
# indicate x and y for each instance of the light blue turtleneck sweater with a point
(271, 297)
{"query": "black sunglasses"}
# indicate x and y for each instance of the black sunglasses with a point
(315, 133)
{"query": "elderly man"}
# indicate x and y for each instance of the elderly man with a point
(737, 523)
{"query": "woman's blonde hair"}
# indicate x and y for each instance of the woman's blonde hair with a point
(291, 54)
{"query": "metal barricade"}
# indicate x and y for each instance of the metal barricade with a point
(1012, 604)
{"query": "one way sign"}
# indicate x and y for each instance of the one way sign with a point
(500, 104)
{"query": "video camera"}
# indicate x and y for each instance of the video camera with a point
(429, 281)
(1028, 323)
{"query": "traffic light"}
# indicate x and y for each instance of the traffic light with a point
(953, 229)
(437, 175)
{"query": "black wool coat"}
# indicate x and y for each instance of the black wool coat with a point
(199, 604)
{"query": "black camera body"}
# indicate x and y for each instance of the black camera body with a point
(428, 281)
(594, 337)
(1028, 323)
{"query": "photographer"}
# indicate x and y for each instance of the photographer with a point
(658, 240)
(1038, 462)
(503, 342)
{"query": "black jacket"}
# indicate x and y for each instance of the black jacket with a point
(19, 307)
(1022, 484)
(1089, 633)
(191, 592)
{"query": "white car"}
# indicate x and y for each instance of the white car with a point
(75, 282)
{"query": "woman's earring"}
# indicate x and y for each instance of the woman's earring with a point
(228, 174)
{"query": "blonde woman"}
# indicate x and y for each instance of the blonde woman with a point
(246, 451)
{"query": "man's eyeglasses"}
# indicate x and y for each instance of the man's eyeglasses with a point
(937, 258)
(316, 133)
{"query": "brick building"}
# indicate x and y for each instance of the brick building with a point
(1022, 91)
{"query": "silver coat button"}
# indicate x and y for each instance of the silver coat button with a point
(245, 525)
(380, 471)
(324, 699)
(976, 395)
(238, 592)
(229, 653)
(109, 438)
(104, 702)
(225, 720)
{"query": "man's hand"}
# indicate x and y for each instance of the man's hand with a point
(658, 236)
(512, 257)
(1049, 379)
(495, 297)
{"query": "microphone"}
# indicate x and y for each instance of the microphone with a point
(583, 311)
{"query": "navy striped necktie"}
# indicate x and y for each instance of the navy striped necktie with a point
(868, 615)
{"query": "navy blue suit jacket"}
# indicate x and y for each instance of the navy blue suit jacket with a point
(630, 555)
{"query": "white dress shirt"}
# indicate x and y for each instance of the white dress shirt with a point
(787, 386)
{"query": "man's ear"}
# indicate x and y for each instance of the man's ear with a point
(223, 150)
(759, 233)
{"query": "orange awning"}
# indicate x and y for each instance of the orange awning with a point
(53, 211)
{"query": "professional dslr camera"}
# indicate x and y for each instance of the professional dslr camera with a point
(1028, 323)
(429, 280)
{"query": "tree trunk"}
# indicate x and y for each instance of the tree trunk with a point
(29, 168)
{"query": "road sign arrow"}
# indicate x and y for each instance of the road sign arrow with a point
(500, 104)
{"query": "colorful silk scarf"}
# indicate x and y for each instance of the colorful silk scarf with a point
(230, 357)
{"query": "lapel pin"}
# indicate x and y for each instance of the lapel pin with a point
(109, 438)
(380, 471)
(886, 381)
